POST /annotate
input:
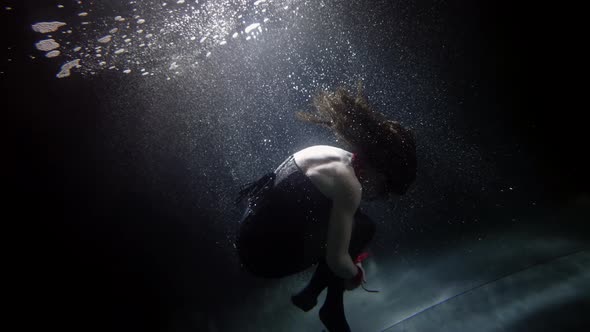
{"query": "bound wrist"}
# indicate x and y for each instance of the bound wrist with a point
(358, 278)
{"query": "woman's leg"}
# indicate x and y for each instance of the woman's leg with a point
(332, 312)
(363, 232)
(306, 299)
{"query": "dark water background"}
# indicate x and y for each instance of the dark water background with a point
(120, 187)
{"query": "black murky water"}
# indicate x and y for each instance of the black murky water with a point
(126, 161)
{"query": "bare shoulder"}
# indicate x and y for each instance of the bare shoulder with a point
(337, 181)
(319, 156)
(329, 169)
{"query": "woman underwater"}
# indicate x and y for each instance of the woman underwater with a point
(307, 211)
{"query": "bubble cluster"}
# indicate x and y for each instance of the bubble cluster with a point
(46, 27)
(190, 31)
(250, 65)
(47, 45)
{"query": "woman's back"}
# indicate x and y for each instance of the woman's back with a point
(320, 156)
(324, 164)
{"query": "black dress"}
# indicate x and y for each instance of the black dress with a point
(284, 227)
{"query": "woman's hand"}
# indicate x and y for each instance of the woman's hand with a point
(354, 282)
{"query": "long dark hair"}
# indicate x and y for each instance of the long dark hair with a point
(384, 144)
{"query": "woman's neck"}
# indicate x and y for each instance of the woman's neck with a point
(358, 165)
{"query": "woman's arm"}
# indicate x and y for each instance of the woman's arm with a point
(346, 198)
(339, 233)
